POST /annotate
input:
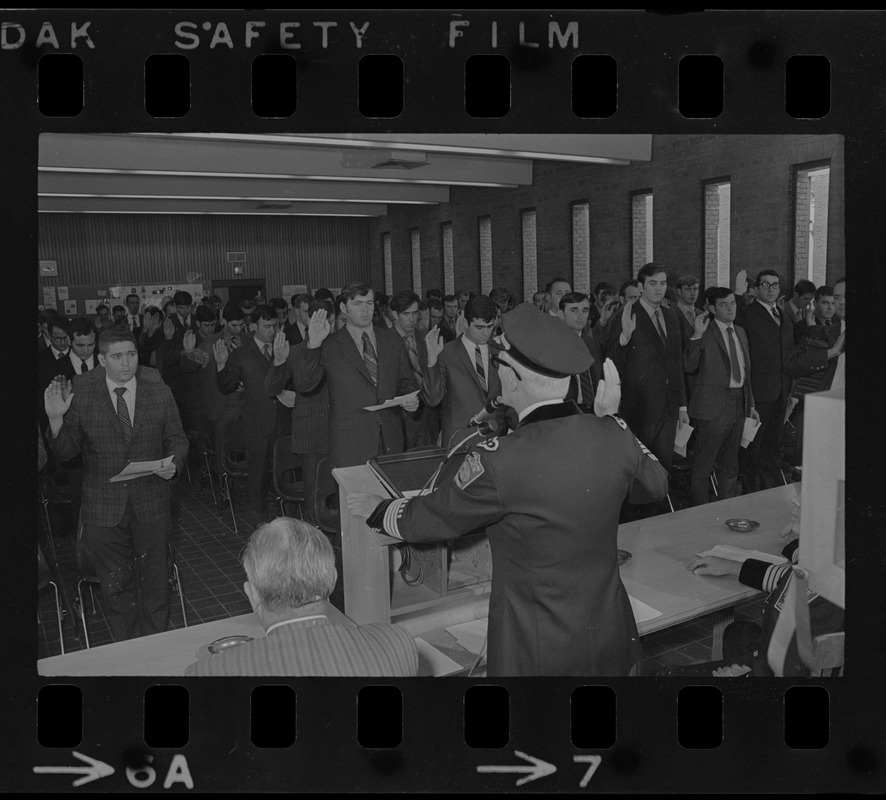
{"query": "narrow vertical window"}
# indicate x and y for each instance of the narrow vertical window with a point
(484, 234)
(448, 260)
(811, 223)
(530, 253)
(389, 267)
(416, 261)
(581, 247)
(717, 196)
(641, 230)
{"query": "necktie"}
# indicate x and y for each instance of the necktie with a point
(733, 355)
(267, 351)
(586, 388)
(413, 357)
(659, 323)
(776, 315)
(370, 358)
(83, 367)
(478, 365)
(123, 414)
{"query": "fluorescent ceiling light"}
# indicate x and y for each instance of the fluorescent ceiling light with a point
(273, 176)
(213, 197)
(218, 213)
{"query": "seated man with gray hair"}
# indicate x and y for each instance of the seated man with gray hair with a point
(290, 570)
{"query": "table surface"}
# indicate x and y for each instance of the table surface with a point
(662, 548)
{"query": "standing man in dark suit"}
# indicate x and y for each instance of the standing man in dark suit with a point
(174, 329)
(421, 428)
(116, 414)
(576, 309)
(364, 365)
(51, 359)
(722, 398)
(646, 344)
(310, 412)
(134, 319)
(296, 325)
(264, 416)
(770, 341)
(461, 373)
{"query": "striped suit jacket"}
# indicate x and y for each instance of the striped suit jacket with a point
(353, 432)
(91, 427)
(316, 648)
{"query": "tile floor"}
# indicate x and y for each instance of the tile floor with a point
(207, 552)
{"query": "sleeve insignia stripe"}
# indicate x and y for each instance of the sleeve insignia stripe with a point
(469, 471)
(621, 423)
(643, 448)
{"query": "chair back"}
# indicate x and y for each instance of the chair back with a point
(827, 651)
(234, 456)
(288, 479)
(325, 488)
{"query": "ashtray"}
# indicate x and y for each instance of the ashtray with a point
(742, 525)
(227, 642)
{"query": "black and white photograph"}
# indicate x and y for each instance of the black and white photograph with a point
(431, 352)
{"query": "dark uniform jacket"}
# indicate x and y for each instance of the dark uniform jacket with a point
(549, 496)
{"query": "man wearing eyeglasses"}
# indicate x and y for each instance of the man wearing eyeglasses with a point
(549, 496)
(770, 341)
(50, 360)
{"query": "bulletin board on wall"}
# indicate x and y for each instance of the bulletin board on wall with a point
(72, 301)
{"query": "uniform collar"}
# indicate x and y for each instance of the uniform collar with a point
(548, 409)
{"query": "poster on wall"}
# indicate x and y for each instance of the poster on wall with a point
(91, 305)
(63, 293)
(70, 308)
(153, 294)
(49, 296)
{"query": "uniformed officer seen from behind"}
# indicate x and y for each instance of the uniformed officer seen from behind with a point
(549, 496)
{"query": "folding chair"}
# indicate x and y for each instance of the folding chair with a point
(234, 463)
(289, 483)
(326, 515)
(44, 579)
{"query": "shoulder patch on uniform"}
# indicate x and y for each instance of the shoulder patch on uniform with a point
(469, 471)
(491, 444)
(621, 423)
(644, 449)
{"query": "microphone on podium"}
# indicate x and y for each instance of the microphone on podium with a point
(486, 412)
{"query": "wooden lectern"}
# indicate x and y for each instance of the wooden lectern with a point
(456, 575)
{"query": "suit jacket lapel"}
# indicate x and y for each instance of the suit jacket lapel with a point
(349, 349)
(646, 321)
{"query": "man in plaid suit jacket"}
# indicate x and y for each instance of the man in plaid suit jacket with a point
(126, 523)
(290, 571)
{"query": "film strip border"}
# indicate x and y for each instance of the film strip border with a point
(485, 737)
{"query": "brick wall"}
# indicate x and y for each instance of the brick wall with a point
(485, 243)
(758, 167)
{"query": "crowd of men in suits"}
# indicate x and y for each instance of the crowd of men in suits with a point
(309, 368)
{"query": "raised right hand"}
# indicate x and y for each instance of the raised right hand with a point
(628, 321)
(168, 328)
(318, 329)
(701, 323)
(57, 397)
(221, 352)
(281, 349)
(434, 342)
(741, 282)
(190, 339)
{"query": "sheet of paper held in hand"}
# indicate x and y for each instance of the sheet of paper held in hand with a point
(750, 431)
(684, 431)
(138, 469)
(394, 401)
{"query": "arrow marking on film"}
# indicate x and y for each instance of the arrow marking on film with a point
(96, 769)
(539, 768)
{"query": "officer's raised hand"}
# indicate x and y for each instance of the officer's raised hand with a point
(362, 505)
(318, 328)
(434, 342)
(281, 349)
(221, 353)
(608, 395)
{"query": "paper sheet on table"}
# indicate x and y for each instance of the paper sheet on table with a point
(731, 553)
(470, 635)
(138, 469)
(433, 662)
(684, 431)
(287, 397)
(642, 612)
(751, 426)
(394, 401)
